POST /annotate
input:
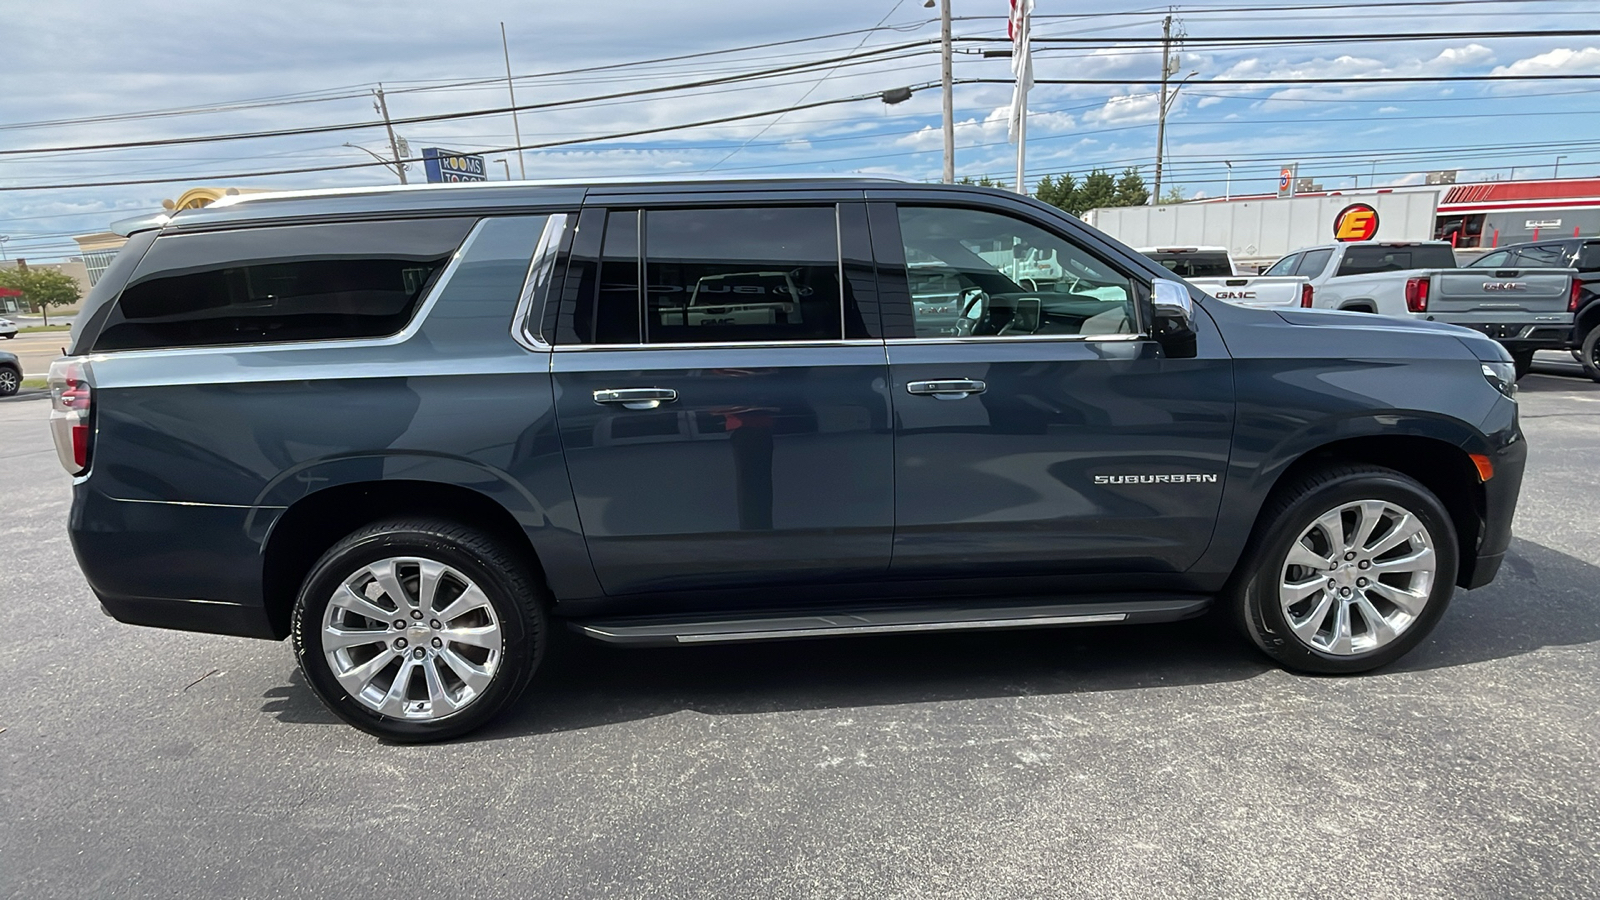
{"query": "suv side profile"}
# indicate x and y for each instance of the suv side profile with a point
(415, 429)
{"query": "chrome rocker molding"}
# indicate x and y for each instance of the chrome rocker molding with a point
(1045, 613)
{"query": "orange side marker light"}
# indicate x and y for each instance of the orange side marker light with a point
(1485, 467)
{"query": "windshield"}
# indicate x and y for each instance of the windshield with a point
(1194, 264)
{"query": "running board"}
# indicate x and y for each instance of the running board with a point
(703, 629)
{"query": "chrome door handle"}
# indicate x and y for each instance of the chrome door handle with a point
(636, 398)
(947, 388)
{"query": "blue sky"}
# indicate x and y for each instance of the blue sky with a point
(73, 59)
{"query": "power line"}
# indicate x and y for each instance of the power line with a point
(540, 146)
(469, 114)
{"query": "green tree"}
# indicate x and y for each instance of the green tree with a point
(1131, 189)
(41, 288)
(1173, 194)
(983, 181)
(1099, 189)
(1059, 192)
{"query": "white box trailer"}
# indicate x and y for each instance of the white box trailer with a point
(1257, 232)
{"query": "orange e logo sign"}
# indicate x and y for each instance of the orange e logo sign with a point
(1356, 222)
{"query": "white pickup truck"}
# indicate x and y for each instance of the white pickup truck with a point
(1525, 309)
(1211, 269)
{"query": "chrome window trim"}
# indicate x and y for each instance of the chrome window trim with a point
(720, 345)
(399, 337)
(988, 339)
(536, 286)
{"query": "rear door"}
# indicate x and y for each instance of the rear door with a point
(1048, 435)
(722, 395)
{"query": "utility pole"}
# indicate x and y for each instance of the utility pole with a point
(949, 101)
(394, 145)
(1167, 71)
(516, 127)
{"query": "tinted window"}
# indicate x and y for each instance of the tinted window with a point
(742, 275)
(1589, 257)
(1360, 260)
(1497, 260)
(999, 276)
(1313, 262)
(288, 283)
(615, 316)
(1284, 266)
(1195, 265)
(1542, 256)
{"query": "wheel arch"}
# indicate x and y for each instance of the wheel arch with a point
(1444, 468)
(1362, 305)
(312, 524)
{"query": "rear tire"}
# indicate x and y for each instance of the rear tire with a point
(10, 381)
(1589, 355)
(454, 648)
(1522, 360)
(1350, 570)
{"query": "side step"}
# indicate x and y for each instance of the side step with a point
(705, 628)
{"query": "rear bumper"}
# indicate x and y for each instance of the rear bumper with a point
(192, 567)
(1515, 337)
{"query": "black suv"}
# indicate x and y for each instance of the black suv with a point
(1578, 253)
(413, 429)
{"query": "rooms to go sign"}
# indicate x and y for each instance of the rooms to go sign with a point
(448, 165)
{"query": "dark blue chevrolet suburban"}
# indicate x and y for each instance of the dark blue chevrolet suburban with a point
(413, 429)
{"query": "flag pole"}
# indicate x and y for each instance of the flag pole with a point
(1018, 27)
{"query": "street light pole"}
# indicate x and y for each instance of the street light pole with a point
(3, 239)
(1228, 191)
(1557, 172)
(387, 164)
(508, 168)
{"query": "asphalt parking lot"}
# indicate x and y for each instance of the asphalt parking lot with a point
(1157, 761)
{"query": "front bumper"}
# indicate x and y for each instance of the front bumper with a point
(1508, 451)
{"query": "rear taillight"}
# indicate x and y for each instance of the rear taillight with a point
(1305, 296)
(1417, 294)
(1577, 291)
(71, 402)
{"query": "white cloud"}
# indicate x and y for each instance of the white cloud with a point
(994, 127)
(1390, 109)
(1128, 109)
(1555, 62)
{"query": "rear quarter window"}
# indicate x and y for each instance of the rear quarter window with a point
(282, 283)
(1378, 258)
(1195, 265)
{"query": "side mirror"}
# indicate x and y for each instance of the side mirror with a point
(1173, 326)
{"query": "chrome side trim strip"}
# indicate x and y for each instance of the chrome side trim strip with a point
(194, 503)
(989, 339)
(536, 286)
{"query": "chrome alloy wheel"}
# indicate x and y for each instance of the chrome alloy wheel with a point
(1357, 577)
(411, 638)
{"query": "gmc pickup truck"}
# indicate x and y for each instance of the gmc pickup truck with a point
(1525, 309)
(1212, 270)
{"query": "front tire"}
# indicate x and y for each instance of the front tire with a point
(1352, 568)
(10, 381)
(418, 630)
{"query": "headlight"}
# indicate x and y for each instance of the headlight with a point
(1502, 376)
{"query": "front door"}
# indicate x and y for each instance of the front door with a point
(723, 403)
(1038, 431)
